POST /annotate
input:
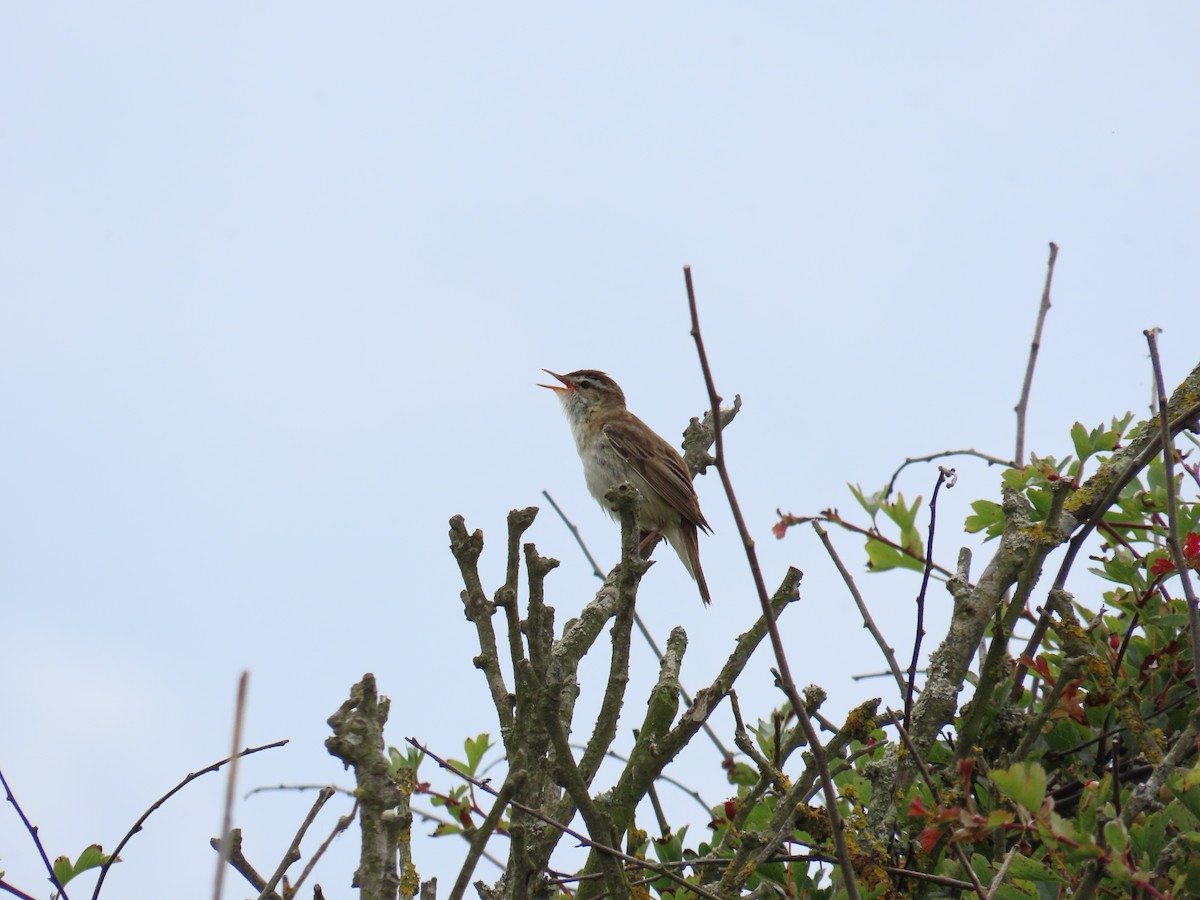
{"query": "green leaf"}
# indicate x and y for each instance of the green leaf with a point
(1081, 440)
(475, 750)
(1024, 783)
(410, 759)
(1116, 836)
(1190, 799)
(1149, 836)
(904, 516)
(743, 775)
(91, 858)
(1031, 869)
(1011, 890)
(881, 556)
(869, 503)
(988, 515)
(669, 848)
(1106, 441)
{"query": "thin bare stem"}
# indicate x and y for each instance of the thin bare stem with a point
(989, 459)
(786, 520)
(342, 824)
(785, 674)
(33, 833)
(293, 851)
(868, 622)
(15, 891)
(137, 826)
(947, 477)
(994, 887)
(231, 785)
(1023, 403)
(483, 833)
(1168, 449)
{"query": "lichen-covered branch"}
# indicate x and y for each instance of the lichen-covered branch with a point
(479, 611)
(626, 502)
(358, 742)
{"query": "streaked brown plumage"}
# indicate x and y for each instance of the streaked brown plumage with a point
(617, 447)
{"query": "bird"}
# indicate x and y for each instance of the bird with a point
(616, 446)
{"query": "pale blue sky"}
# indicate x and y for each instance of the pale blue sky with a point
(278, 280)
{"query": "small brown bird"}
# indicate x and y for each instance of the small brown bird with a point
(617, 447)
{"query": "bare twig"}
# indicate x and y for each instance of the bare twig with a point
(33, 833)
(293, 851)
(786, 520)
(342, 824)
(1023, 403)
(665, 779)
(230, 849)
(785, 675)
(479, 610)
(868, 622)
(137, 826)
(947, 477)
(989, 459)
(994, 887)
(479, 840)
(1168, 449)
(15, 891)
(231, 785)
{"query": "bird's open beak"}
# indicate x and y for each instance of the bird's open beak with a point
(555, 387)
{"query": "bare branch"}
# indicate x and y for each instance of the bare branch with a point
(137, 826)
(786, 681)
(1168, 448)
(478, 841)
(479, 611)
(231, 782)
(989, 459)
(948, 478)
(33, 833)
(1023, 403)
(868, 622)
(292, 854)
(358, 742)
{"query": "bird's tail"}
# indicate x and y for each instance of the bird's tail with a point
(688, 548)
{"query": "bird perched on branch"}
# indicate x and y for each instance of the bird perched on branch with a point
(617, 447)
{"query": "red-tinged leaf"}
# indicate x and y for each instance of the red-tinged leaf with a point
(465, 818)
(1162, 566)
(966, 769)
(917, 807)
(929, 838)
(779, 529)
(1191, 545)
(950, 814)
(1042, 667)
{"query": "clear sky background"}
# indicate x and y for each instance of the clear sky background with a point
(277, 281)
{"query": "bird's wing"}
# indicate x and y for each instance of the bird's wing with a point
(660, 465)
